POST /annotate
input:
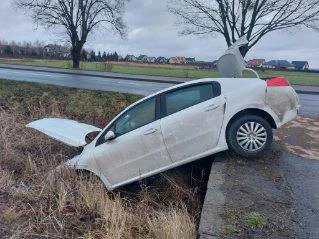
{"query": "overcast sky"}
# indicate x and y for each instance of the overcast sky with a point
(152, 31)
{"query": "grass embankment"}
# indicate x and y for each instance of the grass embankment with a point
(70, 206)
(301, 78)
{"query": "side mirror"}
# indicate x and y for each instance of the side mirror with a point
(109, 135)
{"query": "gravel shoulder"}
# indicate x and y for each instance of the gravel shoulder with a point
(274, 196)
(259, 202)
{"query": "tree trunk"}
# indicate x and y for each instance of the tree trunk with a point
(76, 56)
(244, 50)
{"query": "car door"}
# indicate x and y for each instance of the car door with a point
(138, 147)
(193, 119)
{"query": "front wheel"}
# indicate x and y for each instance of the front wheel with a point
(249, 135)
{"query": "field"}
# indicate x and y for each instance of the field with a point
(301, 78)
(69, 205)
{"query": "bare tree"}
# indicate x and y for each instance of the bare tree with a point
(78, 17)
(236, 18)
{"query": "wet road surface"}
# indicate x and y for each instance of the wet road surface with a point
(309, 103)
(85, 82)
(302, 176)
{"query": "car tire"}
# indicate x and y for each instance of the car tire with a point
(249, 136)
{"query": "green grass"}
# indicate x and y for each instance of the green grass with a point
(94, 107)
(255, 220)
(300, 78)
(232, 229)
(46, 63)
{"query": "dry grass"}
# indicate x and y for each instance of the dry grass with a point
(71, 206)
(173, 223)
(6, 180)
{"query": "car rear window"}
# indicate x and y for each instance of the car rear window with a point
(186, 97)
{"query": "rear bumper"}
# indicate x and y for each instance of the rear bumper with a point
(289, 116)
(284, 102)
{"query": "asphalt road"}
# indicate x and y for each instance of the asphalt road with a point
(302, 176)
(85, 82)
(310, 103)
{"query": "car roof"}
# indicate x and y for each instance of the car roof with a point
(227, 84)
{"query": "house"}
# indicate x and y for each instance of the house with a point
(142, 59)
(130, 58)
(301, 65)
(177, 60)
(151, 60)
(267, 65)
(256, 63)
(56, 50)
(279, 65)
(190, 60)
(161, 60)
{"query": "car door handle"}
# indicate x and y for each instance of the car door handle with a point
(150, 131)
(211, 107)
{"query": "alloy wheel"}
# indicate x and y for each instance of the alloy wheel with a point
(251, 136)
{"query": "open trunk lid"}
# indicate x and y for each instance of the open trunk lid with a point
(66, 131)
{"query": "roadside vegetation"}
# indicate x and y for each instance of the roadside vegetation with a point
(301, 78)
(70, 206)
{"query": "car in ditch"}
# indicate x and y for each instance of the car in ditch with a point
(178, 125)
(181, 124)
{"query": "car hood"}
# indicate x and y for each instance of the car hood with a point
(66, 131)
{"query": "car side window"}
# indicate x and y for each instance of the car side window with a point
(140, 115)
(186, 97)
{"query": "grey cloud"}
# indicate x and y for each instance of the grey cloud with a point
(152, 31)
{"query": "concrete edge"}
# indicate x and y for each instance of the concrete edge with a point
(66, 72)
(211, 224)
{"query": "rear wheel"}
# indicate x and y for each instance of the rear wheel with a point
(249, 135)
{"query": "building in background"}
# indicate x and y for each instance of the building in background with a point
(190, 60)
(161, 60)
(178, 60)
(279, 65)
(130, 58)
(57, 51)
(142, 59)
(151, 60)
(256, 63)
(301, 65)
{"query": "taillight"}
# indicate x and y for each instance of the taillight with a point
(280, 81)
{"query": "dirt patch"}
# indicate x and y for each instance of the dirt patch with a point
(258, 198)
(300, 137)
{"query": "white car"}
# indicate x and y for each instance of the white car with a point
(178, 125)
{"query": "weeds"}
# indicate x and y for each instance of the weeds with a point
(254, 220)
(71, 206)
